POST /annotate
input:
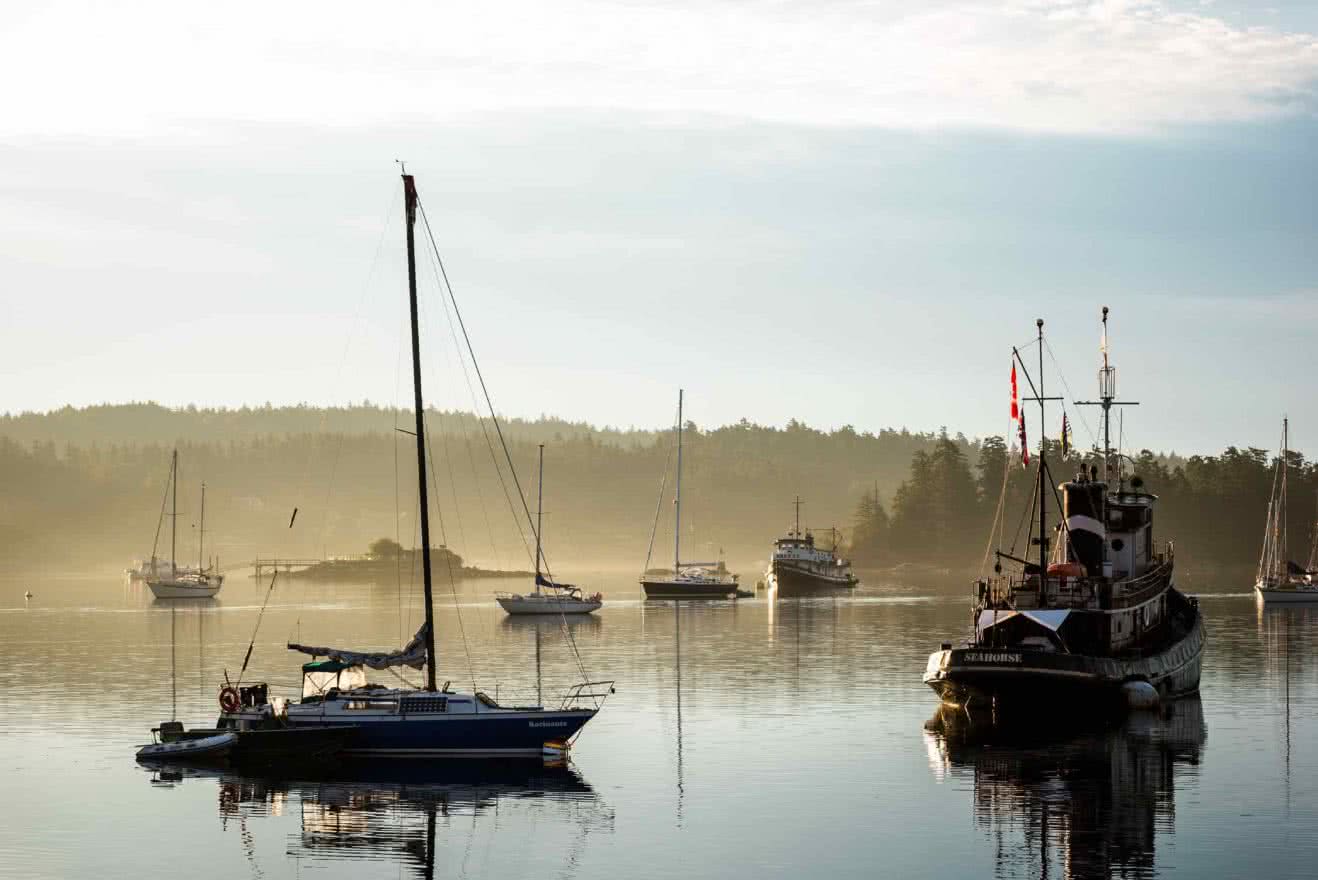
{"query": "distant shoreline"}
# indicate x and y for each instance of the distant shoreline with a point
(387, 570)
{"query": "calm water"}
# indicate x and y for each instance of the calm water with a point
(745, 740)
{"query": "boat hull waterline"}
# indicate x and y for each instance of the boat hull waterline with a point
(1296, 595)
(413, 735)
(981, 677)
(186, 589)
(671, 589)
(547, 605)
(790, 581)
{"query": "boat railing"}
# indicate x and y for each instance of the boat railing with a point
(592, 693)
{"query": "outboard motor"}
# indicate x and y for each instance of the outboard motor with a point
(1083, 504)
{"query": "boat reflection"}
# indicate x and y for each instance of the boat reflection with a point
(1079, 805)
(404, 813)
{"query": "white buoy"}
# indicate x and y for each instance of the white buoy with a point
(1140, 695)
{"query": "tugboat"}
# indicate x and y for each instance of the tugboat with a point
(800, 567)
(1097, 624)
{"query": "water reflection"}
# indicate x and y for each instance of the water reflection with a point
(406, 813)
(1083, 805)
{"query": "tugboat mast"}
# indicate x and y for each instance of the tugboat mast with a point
(1107, 398)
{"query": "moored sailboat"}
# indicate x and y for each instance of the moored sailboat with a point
(1279, 579)
(199, 583)
(687, 580)
(549, 596)
(399, 722)
(1097, 622)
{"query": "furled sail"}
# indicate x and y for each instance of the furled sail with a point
(545, 582)
(413, 654)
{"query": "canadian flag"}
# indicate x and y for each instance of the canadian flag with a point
(1015, 397)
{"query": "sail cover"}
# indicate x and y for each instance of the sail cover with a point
(413, 654)
(545, 582)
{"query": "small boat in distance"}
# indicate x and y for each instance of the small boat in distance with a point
(560, 598)
(1279, 579)
(687, 580)
(177, 583)
(800, 567)
(1096, 624)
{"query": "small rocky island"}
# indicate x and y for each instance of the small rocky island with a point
(387, 560)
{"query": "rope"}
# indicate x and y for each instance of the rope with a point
(494, 418)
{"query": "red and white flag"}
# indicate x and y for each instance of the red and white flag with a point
(1025, 445)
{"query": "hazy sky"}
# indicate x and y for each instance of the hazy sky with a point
(843, 212)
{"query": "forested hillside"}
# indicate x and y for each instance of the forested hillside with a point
(85, 486)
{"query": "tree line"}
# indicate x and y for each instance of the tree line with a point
(1213, 507)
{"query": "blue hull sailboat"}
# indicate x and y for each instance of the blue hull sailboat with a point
(402, 722)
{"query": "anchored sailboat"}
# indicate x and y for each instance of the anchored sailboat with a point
(432, 720)
(180, 583)
(1279, 579)
(549, 597)
(689, 580)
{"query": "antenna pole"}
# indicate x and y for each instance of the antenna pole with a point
(409, 209)
(797, 504)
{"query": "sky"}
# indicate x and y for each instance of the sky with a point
(838, 212)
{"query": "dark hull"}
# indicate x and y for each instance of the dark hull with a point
(285, 744)
(1005, 678)
(792, 581)
(512, 733)
(661, 589)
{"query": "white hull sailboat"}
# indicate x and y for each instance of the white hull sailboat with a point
(1279, 579)
(559, 598)
(179, 583)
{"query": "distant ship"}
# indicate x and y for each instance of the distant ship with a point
(800, 567)
(1280, 579)
(1095, 623)
(687, 580)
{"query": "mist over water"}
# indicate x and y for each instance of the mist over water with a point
(746, 739)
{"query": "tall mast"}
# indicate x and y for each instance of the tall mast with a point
(539, 510)
(797, 504)
(1043, 470)
(1283, 545)
(201, 536)
(677, 506)
(409, 210)
(173, 522)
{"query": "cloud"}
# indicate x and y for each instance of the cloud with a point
(1066, 66)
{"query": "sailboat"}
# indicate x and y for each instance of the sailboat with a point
(401, 722)
(688, 580)
(549, 597)
(178, 583)
(1279, 579)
